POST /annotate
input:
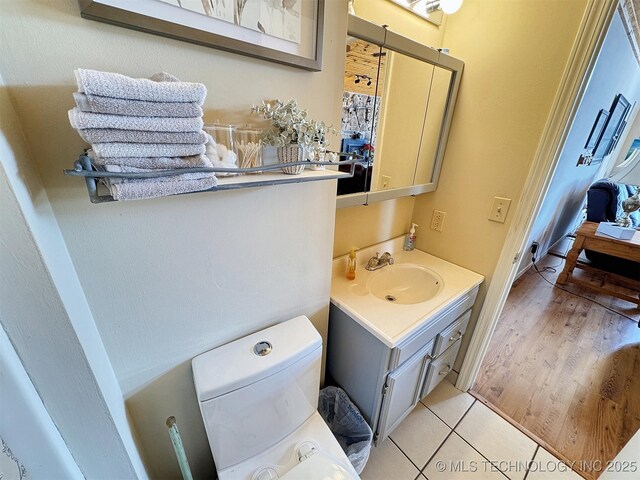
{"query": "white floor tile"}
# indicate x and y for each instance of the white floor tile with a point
(420, 434)
(456, 460)
(547, 467)
(497, 440)
(388, 462)
(448, 403)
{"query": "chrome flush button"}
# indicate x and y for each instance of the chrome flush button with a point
(262, 348)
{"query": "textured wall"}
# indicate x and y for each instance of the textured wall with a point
(169, 278)
(47, 319)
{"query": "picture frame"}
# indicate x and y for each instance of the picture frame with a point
(294, 44)
(617, 135)
(611, 131)
(596, 129)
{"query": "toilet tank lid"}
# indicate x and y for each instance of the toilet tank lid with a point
(235, 364)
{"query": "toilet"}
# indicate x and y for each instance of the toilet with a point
(258, 398)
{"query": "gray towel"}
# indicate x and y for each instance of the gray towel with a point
(108, 150)
(161, 187)
(135, 108)
(106, 135)
(127, 169)
(82, 120)
(163, 77)
(153, 162)
(108, 84)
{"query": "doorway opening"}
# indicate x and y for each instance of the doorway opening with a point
(562, 364)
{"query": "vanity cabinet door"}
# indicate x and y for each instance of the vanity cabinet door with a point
(401, 392)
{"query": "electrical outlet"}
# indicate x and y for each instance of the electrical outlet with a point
(386, 180)
(437, 220)
(499, 209)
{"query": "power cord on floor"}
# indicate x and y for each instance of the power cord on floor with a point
(533, 260)
(552, 268)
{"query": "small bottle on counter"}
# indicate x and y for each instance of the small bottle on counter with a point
(410, 238)
(351, 265)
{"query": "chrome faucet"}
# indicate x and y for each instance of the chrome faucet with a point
(379, 261)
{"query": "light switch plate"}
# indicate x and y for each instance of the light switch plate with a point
(499, 209)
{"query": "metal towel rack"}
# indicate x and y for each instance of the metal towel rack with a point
(92, 176)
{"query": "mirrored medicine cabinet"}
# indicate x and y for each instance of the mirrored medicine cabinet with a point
(397, 106)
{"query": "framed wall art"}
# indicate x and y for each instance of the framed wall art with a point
(596, 130)
(283, 31)
(611, 131)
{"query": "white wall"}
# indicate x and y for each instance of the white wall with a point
(169, 278)
(25, 424)
(46, 317)
(616, 71)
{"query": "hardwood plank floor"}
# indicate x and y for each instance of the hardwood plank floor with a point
(566, 370)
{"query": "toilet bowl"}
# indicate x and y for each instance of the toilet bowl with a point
(258, 398)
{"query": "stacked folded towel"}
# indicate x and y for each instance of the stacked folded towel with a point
(143, 125)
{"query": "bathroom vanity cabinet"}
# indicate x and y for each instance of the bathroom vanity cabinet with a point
(386, 382)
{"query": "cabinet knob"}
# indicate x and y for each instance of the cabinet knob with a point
(446, 370)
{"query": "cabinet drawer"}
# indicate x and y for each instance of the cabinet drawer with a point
(451, 334)
(439, 368)
(428, 332)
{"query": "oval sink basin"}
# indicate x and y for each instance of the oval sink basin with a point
(405, 283)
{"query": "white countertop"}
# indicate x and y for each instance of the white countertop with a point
(393, 322)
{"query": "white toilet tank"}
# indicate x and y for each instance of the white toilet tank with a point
(256, 390)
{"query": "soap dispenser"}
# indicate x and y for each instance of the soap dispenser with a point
(351, 265)
(410, 238)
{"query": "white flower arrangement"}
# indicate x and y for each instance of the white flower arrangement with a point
(291, 125)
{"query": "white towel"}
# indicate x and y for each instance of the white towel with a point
(161, 187)
(107, 135)
(82, 120)
(108, 84)
(136, 108)
(109, 150)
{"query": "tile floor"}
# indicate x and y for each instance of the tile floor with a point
(450, 435)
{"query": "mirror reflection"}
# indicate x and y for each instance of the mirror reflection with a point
(363, 77)
(402, 116)
(432, 125)
(396, 109)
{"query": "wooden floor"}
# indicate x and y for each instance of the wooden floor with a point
(565, 370)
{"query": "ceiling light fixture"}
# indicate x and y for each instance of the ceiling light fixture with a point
(450, 6)
(424, 8)
(363, 78)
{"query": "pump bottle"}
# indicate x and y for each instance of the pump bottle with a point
(410, 238)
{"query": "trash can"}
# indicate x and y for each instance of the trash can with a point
(347, 425)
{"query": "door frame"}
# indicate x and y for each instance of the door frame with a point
(584, 53)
